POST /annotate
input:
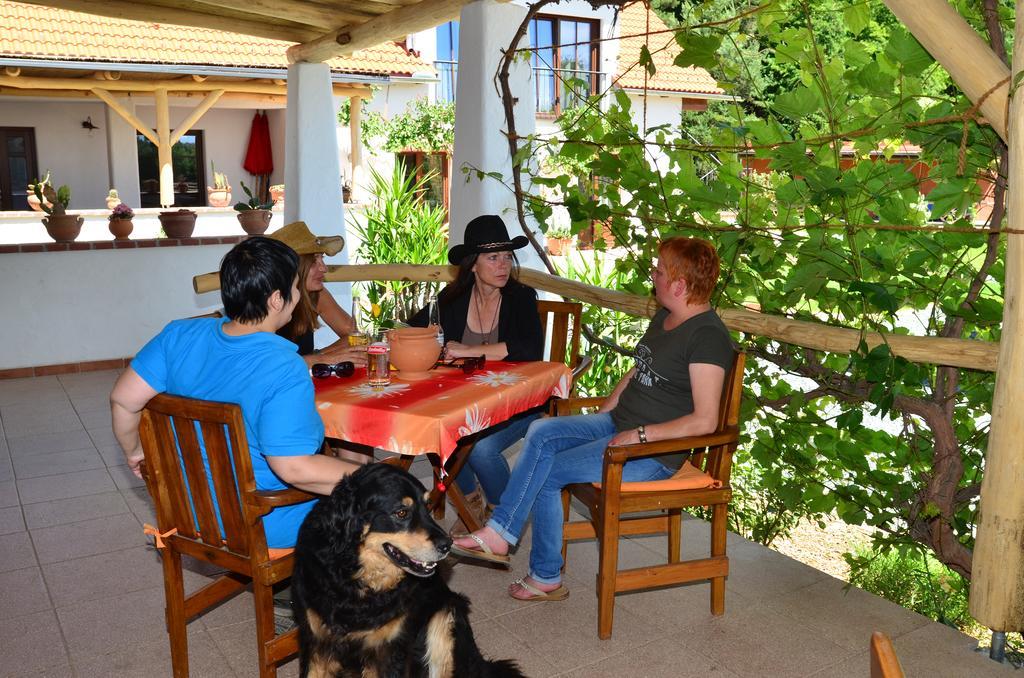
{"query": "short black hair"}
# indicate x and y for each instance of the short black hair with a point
(251, 272)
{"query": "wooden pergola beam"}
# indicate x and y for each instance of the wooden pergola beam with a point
(119, 108)
(972, 64)
(311, 14)
(997, 566)
(197, 112)
(394, 25)
(965, 353)
(154, 13)
(171, 86)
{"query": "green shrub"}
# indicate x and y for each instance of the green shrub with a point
(914, 580)
(399, 228)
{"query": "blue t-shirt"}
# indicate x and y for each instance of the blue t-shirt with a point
(263, 374)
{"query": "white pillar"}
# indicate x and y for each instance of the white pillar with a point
(312, 174)
(486, 28)
(123, 155)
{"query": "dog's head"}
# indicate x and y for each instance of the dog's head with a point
(383, 510)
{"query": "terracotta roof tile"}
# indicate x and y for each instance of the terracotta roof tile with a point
(28, 31)
(633, 21)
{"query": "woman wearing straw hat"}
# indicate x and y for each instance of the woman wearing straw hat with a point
(315, 302)
(487, 311)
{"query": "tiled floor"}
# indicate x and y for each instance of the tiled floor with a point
(81, 592)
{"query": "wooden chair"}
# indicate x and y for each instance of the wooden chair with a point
(703, 480)
(565, 335)
(884, 662)
(176, 477)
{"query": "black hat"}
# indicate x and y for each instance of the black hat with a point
(486, 233)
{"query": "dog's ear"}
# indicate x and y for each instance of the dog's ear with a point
(347, 519)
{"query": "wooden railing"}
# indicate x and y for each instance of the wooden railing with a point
(966, 353)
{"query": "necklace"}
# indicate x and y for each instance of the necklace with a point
(486, 334)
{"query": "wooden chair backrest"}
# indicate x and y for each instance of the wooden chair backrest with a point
(171, 430)
(884, 662)
(719, 458)
(565, 344)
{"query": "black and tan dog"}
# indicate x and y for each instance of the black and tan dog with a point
(367, 596)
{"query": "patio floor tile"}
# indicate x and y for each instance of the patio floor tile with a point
(102, 437)
(8, 493)
(755, 640)
(16, 552)
(495, 643)
(88, 537)
(102, 575)
(112, 455)
(56, 463)
(50, 442)
(33, 424)
(11, 520)
(237, 642)
(98, 627)
(6, 467)
(543, 627)
(32, 645)
(665, 658)
(75, 509)
(124, 478)
(38, 389)
(23, 592)
(132, 660)
(65, 486)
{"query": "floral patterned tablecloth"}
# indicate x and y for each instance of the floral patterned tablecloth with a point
(430, 416)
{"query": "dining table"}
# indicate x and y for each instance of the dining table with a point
(440, 416)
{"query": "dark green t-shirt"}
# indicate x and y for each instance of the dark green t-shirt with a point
(660, 388)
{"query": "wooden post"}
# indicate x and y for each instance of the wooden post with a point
(972, 64)
(197, 112)
(356, 153)
(997, 570)
(163, 148)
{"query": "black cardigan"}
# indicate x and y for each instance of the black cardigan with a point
(518, 321)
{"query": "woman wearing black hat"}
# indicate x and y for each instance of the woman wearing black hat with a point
(487, 311)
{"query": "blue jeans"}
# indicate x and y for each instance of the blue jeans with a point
(557, 452)
(487, 460)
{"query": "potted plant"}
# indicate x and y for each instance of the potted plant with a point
(220, 194)
(178, 223)
(120, 221)
(253, 215)
(559, 238)
(277, 193)
(61, 226)
(113, 200)
(346, 192)
(33, 200)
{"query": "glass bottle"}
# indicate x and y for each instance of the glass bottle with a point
(434, 317)
(356, 338)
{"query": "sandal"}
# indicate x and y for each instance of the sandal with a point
(561, 593)
(483, 553)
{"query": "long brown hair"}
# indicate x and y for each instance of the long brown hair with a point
(304, 318)
(465, 278)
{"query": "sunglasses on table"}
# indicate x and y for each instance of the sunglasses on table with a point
(467, 365)
(342, 369)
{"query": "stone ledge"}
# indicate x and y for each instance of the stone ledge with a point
(80, 246)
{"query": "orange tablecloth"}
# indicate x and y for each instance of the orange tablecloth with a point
(430, 416)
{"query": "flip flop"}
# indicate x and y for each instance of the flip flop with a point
(561, 593)
(483, 553)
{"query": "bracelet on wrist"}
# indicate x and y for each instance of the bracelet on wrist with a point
(641, 433)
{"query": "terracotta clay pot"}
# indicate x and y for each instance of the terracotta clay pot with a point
(218, 197)
(276, 194)
(63, 227)
(255, 222)
(120, 228)
(414, 350)
(178, 224)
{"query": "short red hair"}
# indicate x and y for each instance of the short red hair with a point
(695, 261)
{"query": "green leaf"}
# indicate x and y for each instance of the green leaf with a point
(904, 50)
(798, 103)
(858, 16)
(697, 50)
(646, 61)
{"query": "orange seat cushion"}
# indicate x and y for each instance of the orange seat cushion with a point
(688, 477)
(279, 553)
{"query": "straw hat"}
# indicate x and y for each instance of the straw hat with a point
(297, 236)
(486, 233)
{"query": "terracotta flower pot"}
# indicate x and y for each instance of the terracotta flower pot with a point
(218, 197)
(276, 194)
(255, 222)
(414, 350)
(120, 228)
(179, 223)
(63, 227)
(557, 245)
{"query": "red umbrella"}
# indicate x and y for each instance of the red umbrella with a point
(259, 158)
